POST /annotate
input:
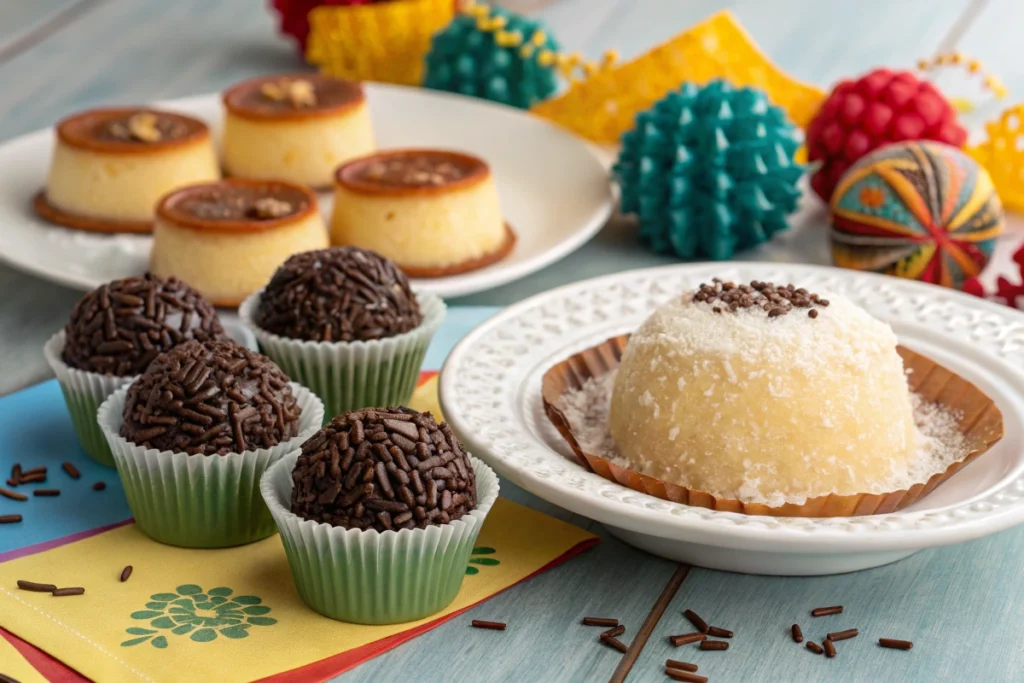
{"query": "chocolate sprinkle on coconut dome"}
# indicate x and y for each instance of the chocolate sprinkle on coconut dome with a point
(210, 398)
(120, 327)
(385, 469)
(341, 294)
(774, 300)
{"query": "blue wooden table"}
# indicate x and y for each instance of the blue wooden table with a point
(961, 605)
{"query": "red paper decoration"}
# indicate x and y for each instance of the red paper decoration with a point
(881, 107)
(1006, 292)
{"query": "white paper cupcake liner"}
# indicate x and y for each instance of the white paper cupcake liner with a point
(372, 577)
(353, 375)
(200, 501)
(84, 391)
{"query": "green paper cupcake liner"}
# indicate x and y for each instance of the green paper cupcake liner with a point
(84, 392)
(372, 577)
(353, 375)
(200, 501)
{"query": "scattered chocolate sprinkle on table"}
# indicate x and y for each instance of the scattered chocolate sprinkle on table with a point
(611, 641)
(714, 645)
(719, 632)
(16, 471)
(843, 635)
(814, 647)
(614, 632)
(826, 611)
(125, 573)
(686, 638)
(682, 666)
(599, 621)
(680, 675)
(34, 471)
(49, 493)
(35, 478)
(798, 635)
(9, 519)
(894, 644)
(36, 587)
(12, 482)
(13, 495)
(830, 649)
(71, 470)
(62, 592)
(490, 625)
(695, 619)
(99, 486)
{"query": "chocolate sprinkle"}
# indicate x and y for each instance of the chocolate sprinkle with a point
(13, 495)
(10, 519)
(685, 676)
(126, 573)
(71, 470)
(894, 644)
(99, 486)
(682, 666)
(490, 625)
(61, 592)
(121, 327)
(338, 294)
(385, 469)
(775, 300)
(210, 398)
(36, 587)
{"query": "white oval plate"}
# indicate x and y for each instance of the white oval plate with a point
(490, 393)
(554, 189)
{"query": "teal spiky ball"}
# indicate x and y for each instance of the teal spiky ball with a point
(465, 59)
(709, 170)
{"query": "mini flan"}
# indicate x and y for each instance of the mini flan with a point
(111, 166)
(433, 212)
(227, 238)
(296, 128)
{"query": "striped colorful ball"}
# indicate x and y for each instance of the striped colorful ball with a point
(919, 210)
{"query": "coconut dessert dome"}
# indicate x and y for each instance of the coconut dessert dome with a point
(764, 393)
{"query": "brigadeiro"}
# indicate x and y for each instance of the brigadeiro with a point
(347, 323)
(210, 398)
(379, 512)
(115, 331)
(385, 470)
(193, 434)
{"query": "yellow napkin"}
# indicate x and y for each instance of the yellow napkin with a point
(13, 665)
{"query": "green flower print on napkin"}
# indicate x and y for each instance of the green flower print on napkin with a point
(486, 561)
(201, 616)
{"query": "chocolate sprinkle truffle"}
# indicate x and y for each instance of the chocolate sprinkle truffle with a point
(119, 328)
(384, 469)
(210, 398)
(340, 294)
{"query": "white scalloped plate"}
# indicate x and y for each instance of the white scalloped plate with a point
(490, 393)
(553, 186)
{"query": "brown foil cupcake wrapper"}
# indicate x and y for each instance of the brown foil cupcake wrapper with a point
(981, 424)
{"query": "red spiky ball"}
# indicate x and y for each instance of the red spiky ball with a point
(881, 107)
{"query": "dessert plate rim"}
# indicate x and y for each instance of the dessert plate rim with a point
(487, 384)
(26, 242)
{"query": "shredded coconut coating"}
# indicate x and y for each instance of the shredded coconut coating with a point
(765, 409)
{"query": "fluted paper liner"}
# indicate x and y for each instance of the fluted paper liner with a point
(84, 391)
(358, 374)
(373, 577)
(981, 424)
(200, 501)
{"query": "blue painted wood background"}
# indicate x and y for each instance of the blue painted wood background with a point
(962, 605)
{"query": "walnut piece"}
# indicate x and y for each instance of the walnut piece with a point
(269, 207)
(300, 92)
(143, 128)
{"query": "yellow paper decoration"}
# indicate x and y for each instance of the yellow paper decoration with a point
(1002, 154)
(384, 41)
(603, 106)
